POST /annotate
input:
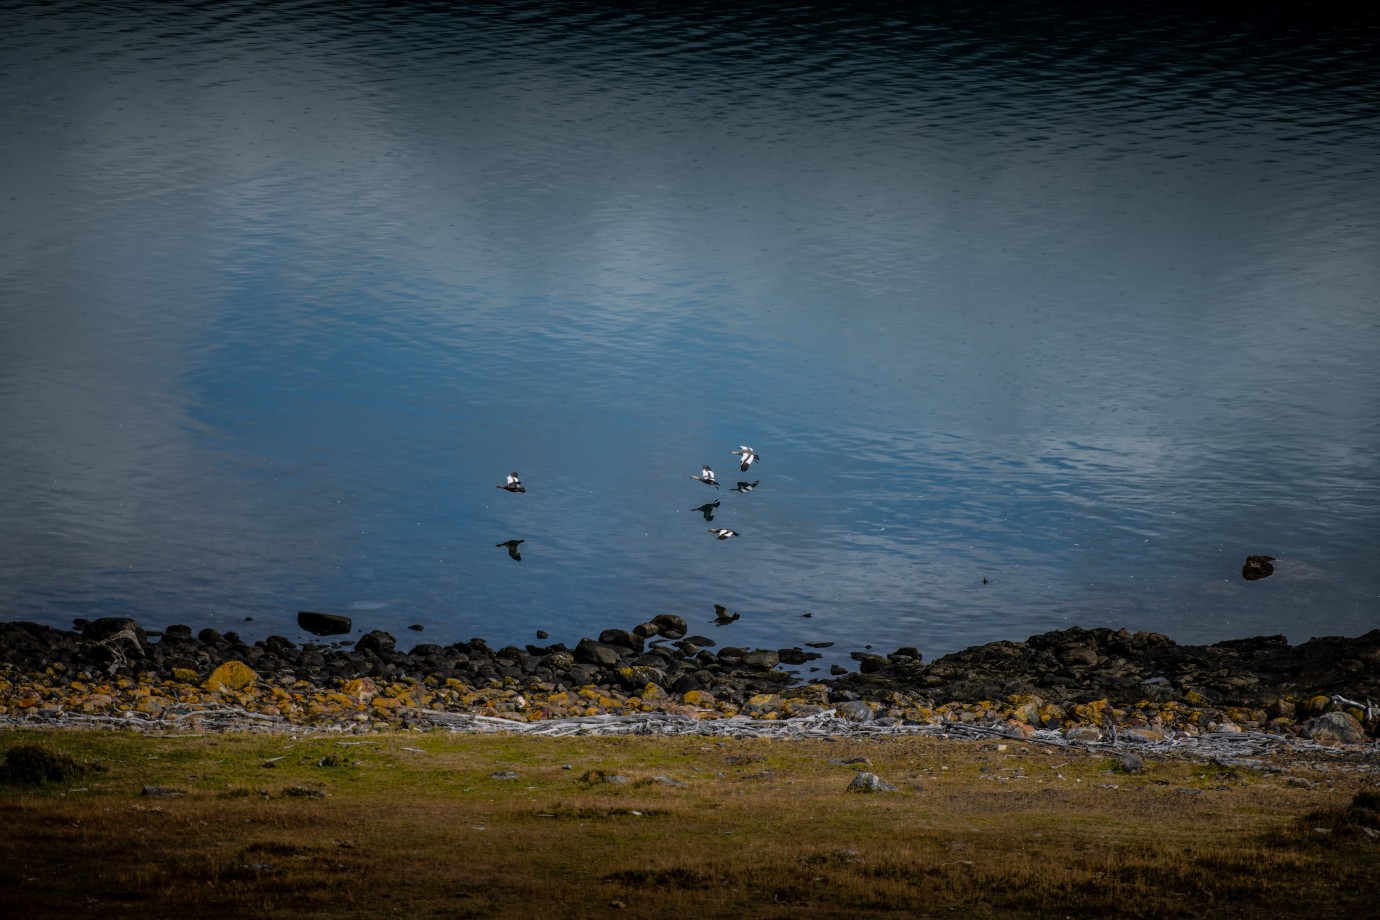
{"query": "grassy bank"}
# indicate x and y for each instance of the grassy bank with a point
(438, 825)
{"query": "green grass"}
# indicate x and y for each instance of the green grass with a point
(418, 825)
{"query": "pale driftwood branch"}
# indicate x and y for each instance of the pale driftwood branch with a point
(1231, 748)
(118, 658)
(1368, 707)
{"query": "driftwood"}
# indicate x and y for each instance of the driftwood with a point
(1226, 748)
(118, 657)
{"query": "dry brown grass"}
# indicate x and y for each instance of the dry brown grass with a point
(750, 828)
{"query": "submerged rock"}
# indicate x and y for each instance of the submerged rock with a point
(323, 624)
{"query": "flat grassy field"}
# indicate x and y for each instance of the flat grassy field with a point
(497, 826)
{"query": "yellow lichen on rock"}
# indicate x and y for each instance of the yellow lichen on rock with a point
(699, 698)
(232, 675)
(361, 689)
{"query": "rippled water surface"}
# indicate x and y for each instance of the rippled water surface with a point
(1037, 318)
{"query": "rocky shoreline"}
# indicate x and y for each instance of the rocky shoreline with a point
(1085, 684)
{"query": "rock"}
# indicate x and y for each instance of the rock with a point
(107, 627)
(162, 792)
(869, 782)
(621, 637)
(361, 689)
(761, 659)
(855, 711)
(1083, 733)
(1334, 728)
(1140, 733)
(323, 624)
(1077, 655)
(669, 625)
(684, 683)
(869, 664)
(1130, 763)
(232, 675)
(116, 640)
(597, 653)
(376, 641)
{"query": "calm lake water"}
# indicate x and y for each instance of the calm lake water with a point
(1037, 318)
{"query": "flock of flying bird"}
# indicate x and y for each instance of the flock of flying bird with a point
(746, 458)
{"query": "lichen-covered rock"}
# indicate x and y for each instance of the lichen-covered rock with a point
(1334, 728)
(232, 675)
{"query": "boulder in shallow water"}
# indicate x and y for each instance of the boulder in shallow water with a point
(324, 624)
(1257, 567)
(669, 625)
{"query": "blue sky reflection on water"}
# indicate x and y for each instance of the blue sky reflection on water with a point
(1073, 314)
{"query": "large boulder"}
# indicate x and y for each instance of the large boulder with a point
(1334, 728)
(323, 624)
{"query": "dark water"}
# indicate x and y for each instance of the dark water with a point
(1038, 317)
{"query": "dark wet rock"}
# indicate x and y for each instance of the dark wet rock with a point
(761, 658)
(323, 624)
(669, 625)
(589, 651)
(684, 683)
(278, 645)
(1257, 567)
(621, 637)
(110, 627)
(868, 663)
